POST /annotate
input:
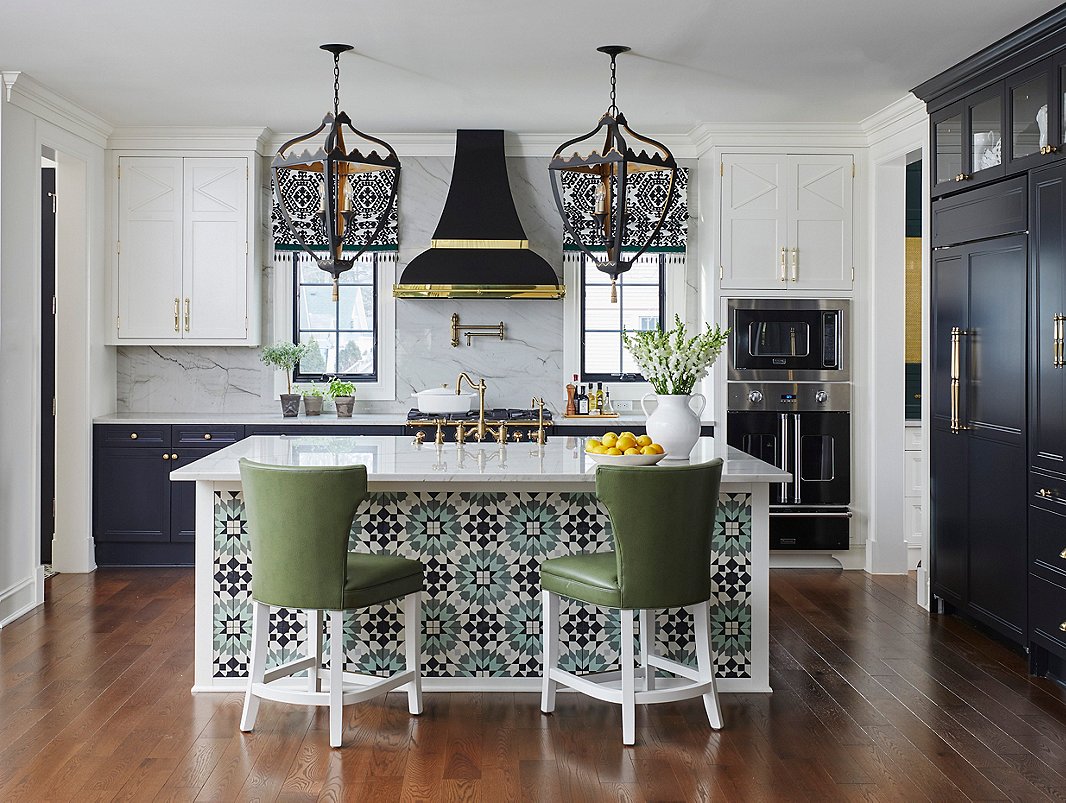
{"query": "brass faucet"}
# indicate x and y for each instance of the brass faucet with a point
(539, 404)
(480, 430)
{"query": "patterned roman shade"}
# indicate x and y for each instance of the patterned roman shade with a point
(650, 187)
(303, 192)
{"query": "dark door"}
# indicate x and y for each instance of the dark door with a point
(763, 435)
(183, 496)
(949, 546)
(48, 360)
(947, 147)
(821, 461)
(1047, 427)
(1033, 117)
(131, 495)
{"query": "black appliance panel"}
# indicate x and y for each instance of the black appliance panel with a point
(771, 339)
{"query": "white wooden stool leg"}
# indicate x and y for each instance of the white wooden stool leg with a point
(706, 663)
(629, 726)
(412, 634)
(336, 677)
(314, 649)
(257, 667)
(647, 647)
(549, 634)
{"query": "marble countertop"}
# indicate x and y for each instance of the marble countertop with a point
(396, 460)
(364, 419)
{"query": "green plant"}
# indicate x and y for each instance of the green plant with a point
(313, 390)
(672, 362)
(285, 356)
(338, 388)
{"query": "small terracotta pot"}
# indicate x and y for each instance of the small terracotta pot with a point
(344, 406)
(312, 405)
(290, 404)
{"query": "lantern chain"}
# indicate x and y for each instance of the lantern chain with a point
(613, 110)
(336, 85)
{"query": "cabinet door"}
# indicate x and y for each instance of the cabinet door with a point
(215, 297)
(949, 543)
(984, 123)
(183, 496)
(949, 302)
(754, 211)
(819, 198)
(1047, 420)
(149, 248)
(1031, 116)
(946, 133)
(131, 497)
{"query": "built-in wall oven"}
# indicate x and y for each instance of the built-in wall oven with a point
(789, 403)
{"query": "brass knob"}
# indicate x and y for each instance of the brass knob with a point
(133, 436)
(1063, 554)
(517, 436)
(166, 456)
(173, 457)
(1046, 149)
(1062, 627)
(420, 436)
(207, 436)
(1044, 492)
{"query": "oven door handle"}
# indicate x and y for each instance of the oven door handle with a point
(797, 494)
(844, 515)
(784, 456)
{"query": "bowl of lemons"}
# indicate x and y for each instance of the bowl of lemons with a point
(624, 449)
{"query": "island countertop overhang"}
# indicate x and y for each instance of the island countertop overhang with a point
(395, 461)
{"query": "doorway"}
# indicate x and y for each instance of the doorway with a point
(49, 205)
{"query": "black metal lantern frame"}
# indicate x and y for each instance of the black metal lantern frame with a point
(614, 162)
(335, 163)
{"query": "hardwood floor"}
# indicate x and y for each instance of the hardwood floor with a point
(873, 700)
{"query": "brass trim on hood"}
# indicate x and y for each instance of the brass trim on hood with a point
(508, 244)
(478, 291)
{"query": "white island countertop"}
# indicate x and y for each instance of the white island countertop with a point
(393, 461)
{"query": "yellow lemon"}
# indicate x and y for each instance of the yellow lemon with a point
(632, 450)
(626, 442)
(658, 449)
(607, 435)
(599, 449)
(613, 451)
(649, 449)
(628, 434)
(609, 439)
(643, 440)
(591, 442)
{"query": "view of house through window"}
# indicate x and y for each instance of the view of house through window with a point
(343, 333)
(641, 305)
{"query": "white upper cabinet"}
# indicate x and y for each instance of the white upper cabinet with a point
(786, 222)
(184, 263)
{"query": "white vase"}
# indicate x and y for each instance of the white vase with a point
(673, 424)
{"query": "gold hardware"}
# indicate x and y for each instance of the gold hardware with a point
(853, 169)
(539, 402)
(1063, 554)
(207, 436)
(474, 330)
(186, 314)
(478, 291)
(439, 438)
(173, 456)
(166, 456)
(795, 264)
(517, 436)
(480, 387)
(783, 258)
(53, 406)
(133, 436)
(721, 168)
(501, 434)
(1062, 627)
(478, 244)
(956, 334)
(177, 314)
(420, 436)
(1045, 493)
(1049, 149)
(1058, 337)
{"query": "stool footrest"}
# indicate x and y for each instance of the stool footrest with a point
(366, 688)
(595, 686)
(290, 668)
(673, 667)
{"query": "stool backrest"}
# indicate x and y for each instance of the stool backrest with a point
(662, 520)
(299, 522)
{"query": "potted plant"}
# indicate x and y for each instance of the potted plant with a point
(313, 398)
(343, 395)
(284, 356)
(673, 363)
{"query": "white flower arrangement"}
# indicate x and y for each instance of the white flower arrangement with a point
(670, 361)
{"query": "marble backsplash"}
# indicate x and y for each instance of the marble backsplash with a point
(167, 379)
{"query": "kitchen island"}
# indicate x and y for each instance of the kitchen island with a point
(481, 517)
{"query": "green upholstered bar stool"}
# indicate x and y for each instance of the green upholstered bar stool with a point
(662, 521)
(299, 521)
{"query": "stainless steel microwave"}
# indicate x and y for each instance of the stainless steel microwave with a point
(789, 339)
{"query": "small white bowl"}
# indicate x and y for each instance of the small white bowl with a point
(439, 401)
(626, 459)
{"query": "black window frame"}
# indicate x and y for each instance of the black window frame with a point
(298, 375)
(586, 376)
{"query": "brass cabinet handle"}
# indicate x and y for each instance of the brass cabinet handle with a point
(133, 436)
(207, 436)
(173, 456)
(795, 264)
(187, 314)
(956, 335)
(1047, 149)
(177, 314)
(1058, 335)
(783, 258)
(1063, 554)
(166, 456)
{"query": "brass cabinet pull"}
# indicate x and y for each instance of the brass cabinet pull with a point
(173, 456)
(1063, 554)
(187, 314)
(1047, 149)
(207, 436)
(783, 258)
(795, 264)
(133, 436)
(1058, 335)
(956, 335)
(166, 456)
(177, 314)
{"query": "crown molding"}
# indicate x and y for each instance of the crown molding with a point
(191, 138)
(706, 136)
(34, 97)
(442, 144)
(894, 118)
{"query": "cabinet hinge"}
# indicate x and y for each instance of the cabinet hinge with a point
(721, 168)
(118, 170)
(53, 512)
(118, 246)
(247, 171)
(53, 305)
(246, 248)
(53, 406)
(853, 274)
(118, 322)
(853, 169)
(721, 272)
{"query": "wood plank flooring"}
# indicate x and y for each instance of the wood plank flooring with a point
(874, 700)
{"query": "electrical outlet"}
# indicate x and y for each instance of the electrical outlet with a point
(622, 405)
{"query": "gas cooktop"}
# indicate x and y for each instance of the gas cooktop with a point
(495, 414)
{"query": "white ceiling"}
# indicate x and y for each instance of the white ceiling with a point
(428, 65)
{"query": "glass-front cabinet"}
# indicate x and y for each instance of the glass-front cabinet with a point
(968, 141)
(1035, 111)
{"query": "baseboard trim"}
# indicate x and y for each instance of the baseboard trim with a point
(22, 597)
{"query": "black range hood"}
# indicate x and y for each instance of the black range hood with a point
(479, 248)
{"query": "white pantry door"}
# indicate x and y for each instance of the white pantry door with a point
(149, 247)
(754, 218)
(820, 190)
(216, 248)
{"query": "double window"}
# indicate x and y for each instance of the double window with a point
(344, 333)
(641, 305)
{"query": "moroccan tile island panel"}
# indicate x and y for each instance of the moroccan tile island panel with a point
(481, 518)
